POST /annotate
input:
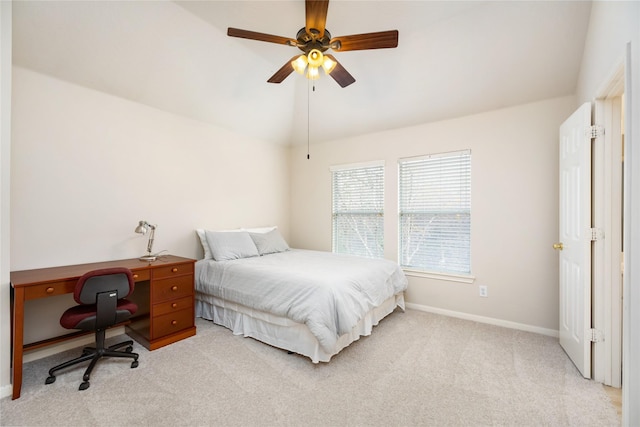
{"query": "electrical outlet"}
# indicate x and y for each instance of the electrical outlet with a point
(482, 290)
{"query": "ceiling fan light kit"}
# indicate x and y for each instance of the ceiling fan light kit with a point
(311, 63)
(313, 40)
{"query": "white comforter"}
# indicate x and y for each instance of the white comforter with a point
(328, 292)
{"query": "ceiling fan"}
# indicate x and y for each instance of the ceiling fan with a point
(314, 39)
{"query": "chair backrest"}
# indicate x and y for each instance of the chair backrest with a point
(92, 283)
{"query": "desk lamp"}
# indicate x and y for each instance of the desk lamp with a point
(142, 228)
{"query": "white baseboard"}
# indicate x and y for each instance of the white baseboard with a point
(6, 391)
(482, 319)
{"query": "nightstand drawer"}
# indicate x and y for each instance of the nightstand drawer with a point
(173, 271)
(172, 322)
(172, 306)
(172, 288)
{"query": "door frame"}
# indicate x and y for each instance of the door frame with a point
(607, 216)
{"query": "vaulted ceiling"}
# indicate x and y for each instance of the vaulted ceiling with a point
(453, 58)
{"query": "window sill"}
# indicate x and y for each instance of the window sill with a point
(440, 276)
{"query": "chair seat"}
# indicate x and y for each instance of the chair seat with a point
(80, 316)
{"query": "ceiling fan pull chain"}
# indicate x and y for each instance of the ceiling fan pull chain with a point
(308, 102)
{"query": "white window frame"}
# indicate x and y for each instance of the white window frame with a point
(349, 167)
(424, 271)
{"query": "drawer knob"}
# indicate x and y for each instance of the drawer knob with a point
(135, 276)
(174, 270)
(49, 290)
(174, 305)
(174, 288)
(174, 322)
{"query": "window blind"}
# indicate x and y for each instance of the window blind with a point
(435, 212)
(358, 213)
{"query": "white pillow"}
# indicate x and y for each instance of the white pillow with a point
(228, 245)
(201, 232)
(269, 242)
(203, 242)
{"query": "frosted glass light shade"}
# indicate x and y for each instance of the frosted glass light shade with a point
(299, 64)
(315, 58)
(313, 73)
(328, 64)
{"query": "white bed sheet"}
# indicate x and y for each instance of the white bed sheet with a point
(333, 298)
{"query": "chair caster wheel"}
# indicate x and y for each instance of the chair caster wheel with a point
(50, 380)
(134, 364)
(129, 349)
(83, 386)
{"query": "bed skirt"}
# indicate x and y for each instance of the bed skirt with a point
(282, 332)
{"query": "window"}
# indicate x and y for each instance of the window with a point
(358, 214)
(435, 212)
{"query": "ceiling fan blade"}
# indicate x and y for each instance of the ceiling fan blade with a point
(252, 35)
(283, 72)
(340, 74)
(379, 40)
(316, 15)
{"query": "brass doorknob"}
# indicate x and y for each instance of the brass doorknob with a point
(558, 246)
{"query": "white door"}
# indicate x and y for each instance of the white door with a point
(574, 246)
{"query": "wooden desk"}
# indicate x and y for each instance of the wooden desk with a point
(164, 292)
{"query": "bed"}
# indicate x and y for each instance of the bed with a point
(312, 303)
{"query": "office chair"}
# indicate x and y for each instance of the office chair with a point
(101, 295)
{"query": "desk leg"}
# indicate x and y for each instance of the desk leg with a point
(18, 340)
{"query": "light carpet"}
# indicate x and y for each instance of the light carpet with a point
(416, 369)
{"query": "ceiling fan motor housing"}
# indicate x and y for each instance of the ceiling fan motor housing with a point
(307, 42)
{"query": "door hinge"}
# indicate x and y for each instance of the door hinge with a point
(595, 131)
(596, 234)
(595, 335)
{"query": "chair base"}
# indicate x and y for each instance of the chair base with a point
(95, 354)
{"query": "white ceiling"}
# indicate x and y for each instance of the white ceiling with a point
(453, 58)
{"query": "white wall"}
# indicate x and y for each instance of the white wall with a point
(87, 166)
(5, 156)
(514, 206)
(612, 25)
(614, 32)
